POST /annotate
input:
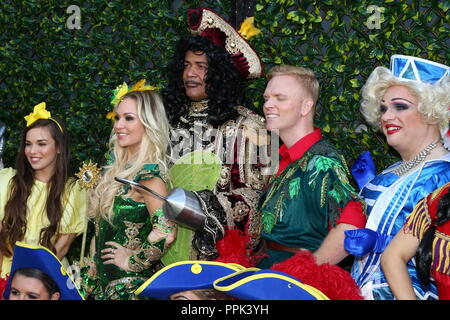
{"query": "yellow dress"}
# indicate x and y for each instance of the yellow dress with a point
(72, 222)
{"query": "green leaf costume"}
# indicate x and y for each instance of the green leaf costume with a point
(304, 201)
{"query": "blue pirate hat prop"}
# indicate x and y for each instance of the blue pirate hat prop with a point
(37, 257)
(185, 275)
(418, 69)
(266, 284)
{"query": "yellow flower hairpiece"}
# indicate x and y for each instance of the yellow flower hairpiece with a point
(122, 90)
(248, 28)
(140, 86)
(39, 112)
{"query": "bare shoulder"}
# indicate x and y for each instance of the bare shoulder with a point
(156, 184)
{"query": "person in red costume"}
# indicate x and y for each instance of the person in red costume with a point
(426, 235)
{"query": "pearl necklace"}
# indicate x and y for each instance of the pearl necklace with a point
(405, 166)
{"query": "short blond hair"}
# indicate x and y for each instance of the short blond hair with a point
(305, 76)
(434, 99)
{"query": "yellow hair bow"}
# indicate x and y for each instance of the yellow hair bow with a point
(248, 28)
(122, 90)
(39, 112)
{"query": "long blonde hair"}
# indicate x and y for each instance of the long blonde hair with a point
(154, 148)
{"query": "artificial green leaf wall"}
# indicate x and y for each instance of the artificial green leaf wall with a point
(75, 69)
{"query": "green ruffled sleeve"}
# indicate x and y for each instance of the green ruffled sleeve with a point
(150, 170)
(339, 189)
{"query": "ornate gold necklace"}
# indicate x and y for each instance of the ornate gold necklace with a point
(198, 106)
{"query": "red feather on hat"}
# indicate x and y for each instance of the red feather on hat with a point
(232, 248)
(332, 280)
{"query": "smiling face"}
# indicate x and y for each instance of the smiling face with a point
(286, 103)
(41, 152)
(402, 124)
(194, 75)
(127, 126)
(28, 288)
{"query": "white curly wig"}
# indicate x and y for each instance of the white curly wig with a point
(434, 99)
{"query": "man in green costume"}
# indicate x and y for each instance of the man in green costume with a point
(309, 202)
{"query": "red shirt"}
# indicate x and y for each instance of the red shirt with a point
(297, 151)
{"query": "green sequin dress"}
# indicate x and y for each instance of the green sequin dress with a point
(130, 227)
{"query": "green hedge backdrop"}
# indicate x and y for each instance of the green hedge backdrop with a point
(75, 70)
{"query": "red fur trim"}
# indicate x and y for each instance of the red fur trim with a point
(443, 285)
(3, 283)
(194, 18)
(333, 281)
(232, 248)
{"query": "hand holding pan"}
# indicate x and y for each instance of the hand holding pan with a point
(180, 205)
(141, 186)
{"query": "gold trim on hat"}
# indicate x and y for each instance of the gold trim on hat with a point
(234, 42)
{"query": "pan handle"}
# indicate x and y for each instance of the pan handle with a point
(136, 184)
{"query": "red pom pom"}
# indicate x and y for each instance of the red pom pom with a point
(3, 283)
(333, 281)
(232, 248)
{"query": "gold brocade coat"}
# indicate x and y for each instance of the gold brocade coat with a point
(243, 145)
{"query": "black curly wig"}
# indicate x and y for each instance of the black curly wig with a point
(224, 84)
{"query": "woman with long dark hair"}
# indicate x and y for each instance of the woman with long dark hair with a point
(33, 284)
(425, 236)
(39, 203)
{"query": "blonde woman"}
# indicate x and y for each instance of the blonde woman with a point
(409, 105)
(131, 232)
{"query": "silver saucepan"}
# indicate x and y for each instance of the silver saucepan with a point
(180, 205)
